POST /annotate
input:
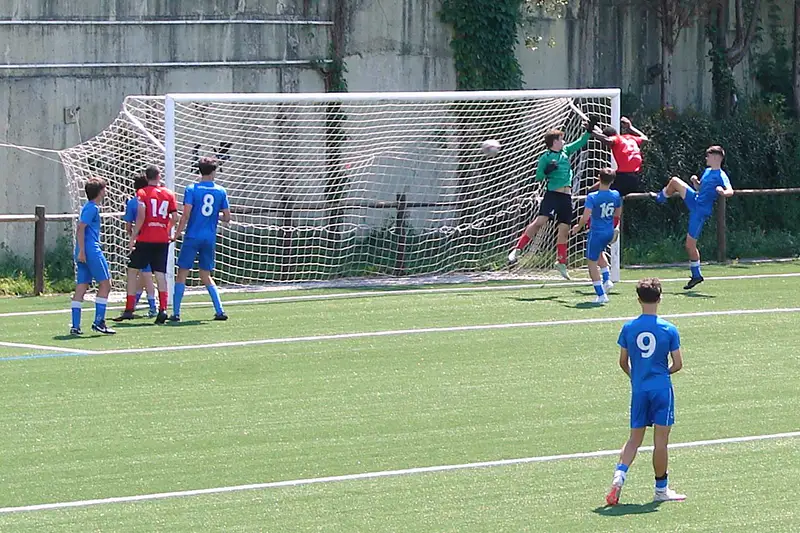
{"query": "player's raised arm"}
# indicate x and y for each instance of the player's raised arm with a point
(625, 121)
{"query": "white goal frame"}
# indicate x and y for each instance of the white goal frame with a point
(613, 94)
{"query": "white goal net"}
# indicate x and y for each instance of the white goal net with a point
(353, 185)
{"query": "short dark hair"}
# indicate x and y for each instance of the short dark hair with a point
(552, 136)
(649, 290)
(715, 149)
(139, 182)
(206, 166)
(609, 131)
(93, 187)
(152, 173)
(607, 176)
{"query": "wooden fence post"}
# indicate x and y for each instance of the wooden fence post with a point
(722, 241)
(38, 250)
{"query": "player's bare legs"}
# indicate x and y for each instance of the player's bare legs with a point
(132, 285)
(530, 232)
(597, 282)
(177, 297)
(562, 238)
(605, 272)
(211, 287)
(626, 457)
(660, 458)
(674, 186)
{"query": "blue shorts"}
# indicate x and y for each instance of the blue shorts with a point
(652, 407)
(191, 248)
(596, 243)
(697, 216)
(147, 270)
(95, 268)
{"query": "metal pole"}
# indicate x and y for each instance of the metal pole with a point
(722, 242)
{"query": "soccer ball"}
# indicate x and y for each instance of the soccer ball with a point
(490, 147)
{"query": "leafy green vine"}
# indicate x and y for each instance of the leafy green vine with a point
(484, 42)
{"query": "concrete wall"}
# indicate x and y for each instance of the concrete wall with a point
(389, 45)
(32, 100)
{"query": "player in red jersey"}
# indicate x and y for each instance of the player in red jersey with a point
(627, 152)
(150, 239)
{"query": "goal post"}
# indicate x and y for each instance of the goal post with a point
(328, 186)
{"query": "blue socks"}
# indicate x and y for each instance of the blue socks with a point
(661, 483)
(212, 291)
(100, 309)
(151, 301)
(177, 298)
(598, 287)
(606, 273)
(138, 297)
(695, 266)
(76, 314)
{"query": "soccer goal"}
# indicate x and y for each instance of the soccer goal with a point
(355, 185)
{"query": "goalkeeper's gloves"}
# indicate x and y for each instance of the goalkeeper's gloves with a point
(592, 123)
(551, 166)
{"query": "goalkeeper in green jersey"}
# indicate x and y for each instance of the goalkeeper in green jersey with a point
(554, 168)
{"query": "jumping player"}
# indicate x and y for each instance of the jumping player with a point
(626, 149)
(646, 344)
(145, 278)
(700, 201)
(150, 239)
(603, 209)
(554, 167)
(90, 261)
(202, 204)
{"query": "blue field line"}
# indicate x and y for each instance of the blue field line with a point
(43, 356)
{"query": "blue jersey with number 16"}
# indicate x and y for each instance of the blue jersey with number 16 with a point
(603, 204)
(207, 200)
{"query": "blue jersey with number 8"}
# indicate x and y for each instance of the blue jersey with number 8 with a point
(649, 341)
(207, 200)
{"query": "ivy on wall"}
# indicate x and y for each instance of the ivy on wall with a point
(484, 42)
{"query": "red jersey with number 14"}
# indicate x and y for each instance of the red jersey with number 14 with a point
(159, 203)
(627, 153)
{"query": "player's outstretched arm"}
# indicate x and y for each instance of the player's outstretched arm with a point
(582, 141)
(624, 362)
(677, 361)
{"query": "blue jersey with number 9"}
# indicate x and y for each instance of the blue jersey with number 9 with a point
(207, 200)
(649, 341)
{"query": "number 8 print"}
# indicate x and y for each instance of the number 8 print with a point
(208, 205)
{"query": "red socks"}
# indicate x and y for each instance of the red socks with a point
(162, 300)
(130, 302)
(523, 241)
(562, 253)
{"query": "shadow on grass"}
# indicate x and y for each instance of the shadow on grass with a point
(187, 323)
(535, 299)
(628, 509)
(693, 294)
(584, 305)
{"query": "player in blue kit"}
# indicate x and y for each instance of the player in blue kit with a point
(700, 201)
(90, 261)
(603, 208)
(203, 202)
(146, 274)
(646, 345)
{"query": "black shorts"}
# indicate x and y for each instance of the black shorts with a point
(153, 254)
(557, 205)
(626, 183)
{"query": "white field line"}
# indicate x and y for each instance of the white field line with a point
(381, 474)
(446, 329)
(55, 349)
(401, 292)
